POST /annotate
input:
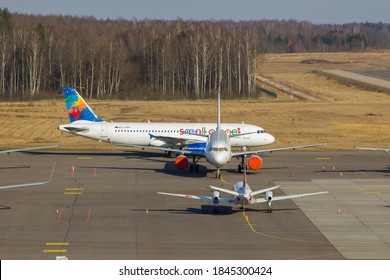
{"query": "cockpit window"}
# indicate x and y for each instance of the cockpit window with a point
(220, 149)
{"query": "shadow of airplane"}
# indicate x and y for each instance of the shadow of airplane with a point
(207, 209)
(15, 167)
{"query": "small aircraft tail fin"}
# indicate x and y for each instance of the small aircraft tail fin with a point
(77, 108)
(244, 179)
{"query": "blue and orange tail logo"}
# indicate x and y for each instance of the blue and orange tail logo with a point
(78, 109)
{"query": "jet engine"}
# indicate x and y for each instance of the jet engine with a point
(181, 162)
(215, 197)
(255, 162)
(269, 195)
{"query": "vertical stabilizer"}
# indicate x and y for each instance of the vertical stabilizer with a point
(78, 109)
(244, 179)
(219, 113)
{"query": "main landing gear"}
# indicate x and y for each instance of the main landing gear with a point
(269, 208)
(242, 166)
(194, 166)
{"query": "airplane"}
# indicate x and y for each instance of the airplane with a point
(27, 149)
(242, 195)
(173, 137)
(30, 184)
(199, 139)
(217, 149)
(373, 149)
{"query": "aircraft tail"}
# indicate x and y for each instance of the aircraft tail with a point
(219, 113)
(78, 109)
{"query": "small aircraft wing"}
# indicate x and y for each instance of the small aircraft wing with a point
(283, 197)
(29, 184)
(27, 149)
(237, 154)
(224, 190)
(178, 151)
(201, 197)
(373, 149)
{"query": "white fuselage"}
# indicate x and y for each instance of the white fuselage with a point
(244, 198)
(132, 133)
(218, 149)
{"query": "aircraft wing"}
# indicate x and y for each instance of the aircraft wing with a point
(374, 149)
(264, 190)
(29, 184)
(283, 197)
(224, 190)
(178, 151)
(177, 140)
(201, 197)
(243, 153)
(27, 149)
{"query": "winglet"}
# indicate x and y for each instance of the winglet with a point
(52, 172)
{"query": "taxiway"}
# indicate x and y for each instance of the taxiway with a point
(108, 208)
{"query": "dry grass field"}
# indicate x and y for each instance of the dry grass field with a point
(346, 115)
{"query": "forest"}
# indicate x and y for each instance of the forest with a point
(157, 59)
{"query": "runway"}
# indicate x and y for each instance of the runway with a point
(108, 208)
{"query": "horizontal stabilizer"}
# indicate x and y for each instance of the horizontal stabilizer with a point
(75, 129)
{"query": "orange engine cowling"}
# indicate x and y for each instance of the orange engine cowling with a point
(255, 162)
(181, 162)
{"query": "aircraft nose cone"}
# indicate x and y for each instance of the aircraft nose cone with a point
(270, 139)
(218, 159)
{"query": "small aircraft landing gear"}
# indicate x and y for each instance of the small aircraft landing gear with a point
(269, 208)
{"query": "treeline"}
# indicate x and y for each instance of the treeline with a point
(156, 59)
(301, 36)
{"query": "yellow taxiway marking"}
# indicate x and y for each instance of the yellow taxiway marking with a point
(223, 181)
(54, 251)
(84, 158)
(298, 240)
(74, 189)
(57, 243)
(73, 193)
(277, 237)
(366, 192)
(365, 189)
(323, 158)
